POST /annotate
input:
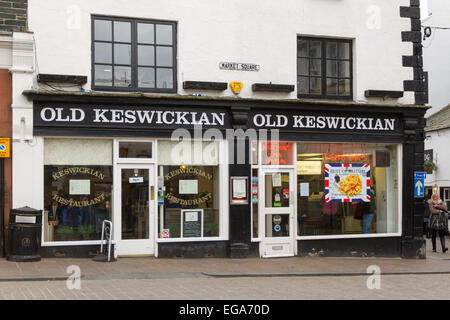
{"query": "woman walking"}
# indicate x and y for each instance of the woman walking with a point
(426, 216)
(438, 222)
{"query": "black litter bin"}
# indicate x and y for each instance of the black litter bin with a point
(24, 235)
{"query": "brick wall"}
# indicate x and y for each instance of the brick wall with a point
(6, 131)
(13, 15)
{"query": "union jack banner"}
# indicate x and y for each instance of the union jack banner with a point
(347, 182)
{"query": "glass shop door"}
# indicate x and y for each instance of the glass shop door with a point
(135, 191)
(277, 212)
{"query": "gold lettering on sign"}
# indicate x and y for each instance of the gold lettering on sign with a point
(193, 171)
(79, 204)
(198, 201)
(77, 170)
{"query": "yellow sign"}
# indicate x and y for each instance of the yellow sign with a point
(236, 86)
(5, 147)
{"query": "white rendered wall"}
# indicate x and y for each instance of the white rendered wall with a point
(28, 173)
(250, 31)
(436, 55)
(27, 152)
(5, 51)
(439, 142)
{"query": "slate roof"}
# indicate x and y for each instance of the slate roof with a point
(439, 120)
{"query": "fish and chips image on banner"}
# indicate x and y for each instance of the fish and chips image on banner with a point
(347, 182)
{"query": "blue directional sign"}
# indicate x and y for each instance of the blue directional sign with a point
(419, 184)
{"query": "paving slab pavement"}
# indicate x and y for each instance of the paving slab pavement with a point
(154, 268)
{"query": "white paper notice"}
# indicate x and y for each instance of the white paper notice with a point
(276, 180)
(304, 189)
(136, 180)
(188, 187)
(79, 187)
(239, 188)
(191, 216)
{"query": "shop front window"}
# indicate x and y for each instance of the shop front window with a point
(277, 153)
(78, 177)
(188, 193)
(277, 190)
(347, 189)
(135, 150)
(255, 204)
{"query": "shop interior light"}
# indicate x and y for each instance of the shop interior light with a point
(309, 168)
(310, 157)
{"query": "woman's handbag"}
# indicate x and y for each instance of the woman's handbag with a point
(439, 221)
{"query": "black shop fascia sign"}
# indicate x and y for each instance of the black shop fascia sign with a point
(57, 118)
(327, 122)
(86, 119)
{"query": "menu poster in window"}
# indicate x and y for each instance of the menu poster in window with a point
(304, 189)
(79, 187)
(239, 190)
(276, 180)
(192, 223)
(347, 182)
(188, 187)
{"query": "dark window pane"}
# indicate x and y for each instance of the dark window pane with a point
(135, 150)
(332, 86)
(303, 66)
(135, 204)
(316, 86)
(122, 76)
(344, 50)
(273, 191)
(127, 52)
(146, 55)
(146, 33)
(103, 76)
(164, 57)
(273, 196)
(80, 220)
(303, 46)
(344, 87)
(103, 30)
(122, 31)
(316, 67)
(122, 54)
(163, 34)
(103, 52)
(315, 49)
(164, 78)
(146, 77)
(332, 68)
(332, 50)
(303, 85)
(344, 69)
(283, 225)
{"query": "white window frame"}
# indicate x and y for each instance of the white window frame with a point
(76, 242)
(399, 207)
(259, 166)
(120, 160)
(399, 150)
(223, 202)
(118, 164)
